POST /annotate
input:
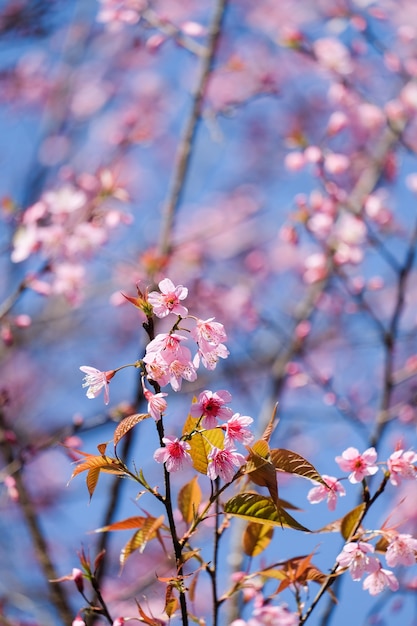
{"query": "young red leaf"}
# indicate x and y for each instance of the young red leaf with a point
(104, 463)
(171, 602)
(127, 424)
(141, 537)
(189, 498)
(92, 480)
(102, 448)
(127, 524)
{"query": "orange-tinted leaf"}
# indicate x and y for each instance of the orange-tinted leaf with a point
(261, 471)
(382, 544)
(292, 463)
(193, 586)
(102, 448)
(141, 537)
(127, 424)
(127, 524)
(151, 621)
(171, 602)
(256, 508)
(189, 498)
(104, 463)
(92, 480)
(256, 538)
(351, 521)
(271, 425)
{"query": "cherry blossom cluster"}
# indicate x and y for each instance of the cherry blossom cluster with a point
(265, 613)
(401, 465)
(358, 557)
(116, 13)
(167, 361)
(66, 226)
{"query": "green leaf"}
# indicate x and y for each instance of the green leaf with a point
(256, 508)
(256, 538)
(292, 463)
(350, 522)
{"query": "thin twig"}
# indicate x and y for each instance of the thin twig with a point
(183, 155)
(56, 591)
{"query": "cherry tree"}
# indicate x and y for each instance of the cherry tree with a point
(207, 317)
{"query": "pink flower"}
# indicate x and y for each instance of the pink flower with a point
(96, 380)
(210, 358)
(224, 463)
(78, 621)
(209, 332)
(401, 466)
(178, 370)
(401, 550)
(329, 493)
(168, 301)
(174, 454)
(236, 430)
(209, 336)
(168, 361)
(119, 621)
(156, 403)
(210, 406)
(379, 579)
(355, 556)
(360, 465)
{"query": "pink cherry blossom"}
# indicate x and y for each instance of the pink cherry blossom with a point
(333, 55)
(237, 430)
(167, 361)
(208, 333)
(356, 556)
(174, 454)
(78, 621)
(97, 380)
(210, 358)
(360, 465)
(316, 267)
(402, 550)
(224, 463)
(401, 465)
(179, 370)
(210, 406)
(329, 492)
(379, 579)
(209, 336)
(156, 402)
(269, 615)
(168, 300)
